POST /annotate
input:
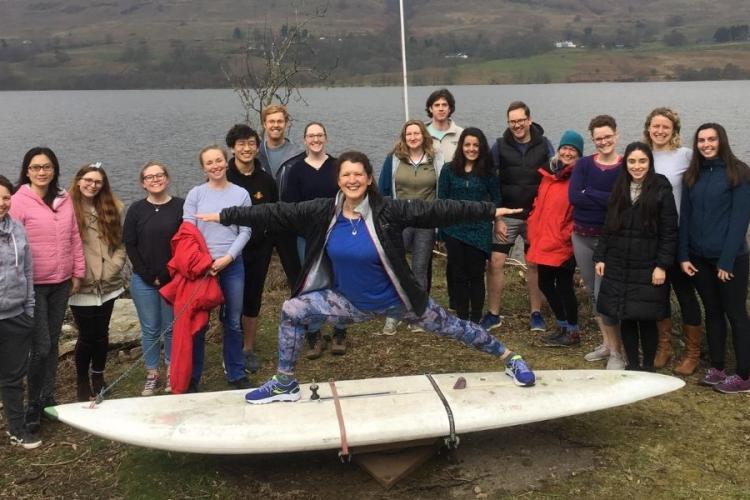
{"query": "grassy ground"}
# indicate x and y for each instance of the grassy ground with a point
(688, 444)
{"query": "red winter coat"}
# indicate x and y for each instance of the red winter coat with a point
(193, 293)
(550, 223)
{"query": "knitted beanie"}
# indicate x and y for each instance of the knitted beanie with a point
(573, 139)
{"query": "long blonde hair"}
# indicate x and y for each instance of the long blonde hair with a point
(108, 208)
(401, 150)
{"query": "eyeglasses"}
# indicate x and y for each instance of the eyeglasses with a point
(245, 144)
(37, 168)
(154, 177)
(89, 182)
(516, 123)
(315, 136)
(604, 138)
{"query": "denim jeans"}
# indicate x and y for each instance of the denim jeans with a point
(232, 282)
(301, 244)
(419, 241)
(312, 310)
(49, 313)
(155, 315)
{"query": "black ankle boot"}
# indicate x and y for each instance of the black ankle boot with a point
(83, 389)
(97, 382)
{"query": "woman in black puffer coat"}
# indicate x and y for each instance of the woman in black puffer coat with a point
(637, 245)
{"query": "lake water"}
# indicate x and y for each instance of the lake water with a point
(124, 129)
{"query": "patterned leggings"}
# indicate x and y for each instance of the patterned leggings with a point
(312, 310)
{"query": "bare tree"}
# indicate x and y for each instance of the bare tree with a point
(271, 68)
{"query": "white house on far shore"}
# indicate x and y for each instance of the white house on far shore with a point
(565, 44)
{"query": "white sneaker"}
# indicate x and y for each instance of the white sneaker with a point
(601, 352)
(390, 327)
(616, 361)
(150, 387)
(415, 328)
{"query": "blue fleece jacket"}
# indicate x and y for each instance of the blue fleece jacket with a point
(714, 217)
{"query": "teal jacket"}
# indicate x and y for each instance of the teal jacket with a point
(473, 188)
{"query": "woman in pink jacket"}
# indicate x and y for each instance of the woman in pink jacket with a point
(46, 212)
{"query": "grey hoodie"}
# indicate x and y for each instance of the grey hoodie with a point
(16, 277)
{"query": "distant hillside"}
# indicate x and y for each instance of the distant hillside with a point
(186, 43)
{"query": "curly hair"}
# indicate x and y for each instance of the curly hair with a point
(671, 115)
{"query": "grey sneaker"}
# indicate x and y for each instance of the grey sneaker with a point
(390, 327)
(251, 362)
(601, 352)
(616, 361)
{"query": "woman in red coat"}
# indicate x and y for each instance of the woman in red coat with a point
(550, 226)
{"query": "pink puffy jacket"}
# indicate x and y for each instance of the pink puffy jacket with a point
(56, 248)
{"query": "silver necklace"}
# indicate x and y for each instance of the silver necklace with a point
(354, 225)
(157, 206)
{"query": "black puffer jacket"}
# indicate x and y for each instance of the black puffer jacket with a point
(518, 171)
(384, 217)
(630, 256)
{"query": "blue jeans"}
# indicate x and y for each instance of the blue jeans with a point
(419, 241)
(311, 310)
(232, 283)
(155, 316)
(301, 243)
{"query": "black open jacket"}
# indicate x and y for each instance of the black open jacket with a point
(385, 220)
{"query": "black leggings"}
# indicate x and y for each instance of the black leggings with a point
(286, 246)
(93, 337)
(633, 330)
(556, 283)
(465, 275)
(684, 290)
(257, 259)
(725, 300)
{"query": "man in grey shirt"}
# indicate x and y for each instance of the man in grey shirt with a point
(277, 154)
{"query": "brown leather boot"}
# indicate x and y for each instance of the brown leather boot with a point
(691, 355)
(317, 343)
(664, 349)
(338, 346)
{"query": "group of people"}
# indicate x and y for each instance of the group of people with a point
(657, 216)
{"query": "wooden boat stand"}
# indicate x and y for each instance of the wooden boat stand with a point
(389, 463)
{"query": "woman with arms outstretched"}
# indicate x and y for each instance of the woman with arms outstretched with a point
(356, 268)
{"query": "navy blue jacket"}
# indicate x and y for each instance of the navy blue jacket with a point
(714, 217)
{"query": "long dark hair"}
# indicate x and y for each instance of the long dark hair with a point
(53, 190)
(737, 171)
(483, 165)
(357, 157)
(648, 200)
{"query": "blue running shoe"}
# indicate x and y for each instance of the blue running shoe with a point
(536, 322)
(273, 391)
(491, 321)
(518, 370)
